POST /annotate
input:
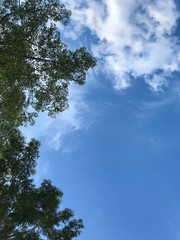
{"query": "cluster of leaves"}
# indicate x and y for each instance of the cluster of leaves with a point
(26, 211)
(36, 69)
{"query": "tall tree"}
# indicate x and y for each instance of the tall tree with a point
(36, 67)
(28, 212)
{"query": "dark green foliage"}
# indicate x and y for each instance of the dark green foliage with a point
(28, 212)
(36, 68)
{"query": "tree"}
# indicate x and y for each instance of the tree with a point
(36, 68)
(28, 212)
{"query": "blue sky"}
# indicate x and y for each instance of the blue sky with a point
(115, 153)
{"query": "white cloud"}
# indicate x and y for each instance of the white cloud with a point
(157, 82)
(134, 37)
(131, 38)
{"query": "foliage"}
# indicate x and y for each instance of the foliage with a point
(28, 212)
(36, 68)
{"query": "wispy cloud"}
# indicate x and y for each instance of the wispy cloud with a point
(132, 38)
(79, 116)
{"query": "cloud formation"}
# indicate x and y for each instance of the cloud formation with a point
(133, 38)
(52, 131)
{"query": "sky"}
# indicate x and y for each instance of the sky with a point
(115, 153)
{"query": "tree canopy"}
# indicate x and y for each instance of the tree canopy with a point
(36, 67)
(28, 212)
